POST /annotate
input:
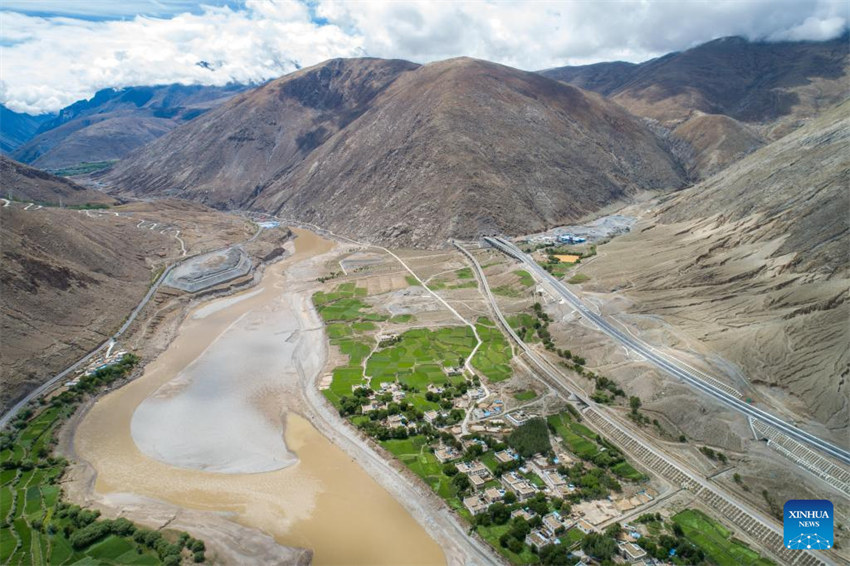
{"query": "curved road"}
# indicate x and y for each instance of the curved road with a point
(672, 367)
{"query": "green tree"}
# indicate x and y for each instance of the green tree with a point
(599, 546)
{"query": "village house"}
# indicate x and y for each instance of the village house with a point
(473, 468)
(469, 443)
(395, 421)
(520, 417)
(526, 514)
(563, 459)
(543, 463)
(476, 504)
(430, 416)
(536, 539)
(554, 524)
(493, 494)
(584, 526)
(445, 454)
(632, 552)
(506, 456)
(477, 482)
(555, 481)
(523, 488)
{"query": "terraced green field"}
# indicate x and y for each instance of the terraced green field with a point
(574, 436)
(414, 453)
(37, 528)
(716, 541)
(494, 356)
(418, 358)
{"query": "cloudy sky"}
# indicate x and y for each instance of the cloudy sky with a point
(54, 52)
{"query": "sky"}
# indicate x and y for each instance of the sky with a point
(55, 52)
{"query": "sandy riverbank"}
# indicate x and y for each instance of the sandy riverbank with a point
(324, 501)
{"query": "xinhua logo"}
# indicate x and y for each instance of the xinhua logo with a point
(808, 524)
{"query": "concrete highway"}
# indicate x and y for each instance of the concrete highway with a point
(670, 366)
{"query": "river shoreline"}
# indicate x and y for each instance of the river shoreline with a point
(231, 519)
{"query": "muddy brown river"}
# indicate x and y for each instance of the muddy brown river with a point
(320, 499)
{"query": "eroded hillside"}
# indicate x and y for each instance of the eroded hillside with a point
(394, 152)
(754, 263)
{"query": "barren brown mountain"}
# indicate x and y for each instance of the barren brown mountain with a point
(395, 152)
(717, 142)
(757, 82)
(115, 121)
(67, 282)
(726, 97)
(24, 183)
(69, 278)
(754, 263)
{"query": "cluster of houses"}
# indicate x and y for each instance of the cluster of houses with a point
(99, 362)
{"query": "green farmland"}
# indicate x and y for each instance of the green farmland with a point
(716, 541)
(38, 528)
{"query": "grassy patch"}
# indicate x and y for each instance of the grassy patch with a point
(418, 358)
(525, 278)
(714, 539)
(525, 395)
(414, 453)
(578, 279)
(411, 280)
(627, 471)
(402, 318)
(492, 534)
(506, 291)
(464, 273)
(524, 321)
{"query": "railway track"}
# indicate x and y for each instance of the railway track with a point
(751, 522)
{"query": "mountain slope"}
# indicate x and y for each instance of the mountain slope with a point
(717, 141)
(226, 155)
(755, 263)
(413, 155)
(16, 128)
(748, 81)
(67, 280)
(116, 121)
(21, 182)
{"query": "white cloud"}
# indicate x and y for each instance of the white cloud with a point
(49, 62)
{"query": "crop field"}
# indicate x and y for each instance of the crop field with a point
(37, 528)
(414, 453)
(715, 540)
(494, 356)
(418, 358)
(574, 436)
